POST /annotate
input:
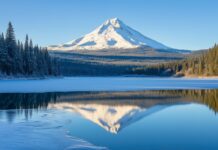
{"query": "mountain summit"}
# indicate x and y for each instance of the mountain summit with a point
(113, 34)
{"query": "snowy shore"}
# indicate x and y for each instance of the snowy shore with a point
(69, 84)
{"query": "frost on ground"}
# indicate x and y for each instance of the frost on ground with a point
(69, 84)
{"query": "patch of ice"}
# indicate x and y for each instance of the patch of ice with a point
(103, 84)
(40, 134)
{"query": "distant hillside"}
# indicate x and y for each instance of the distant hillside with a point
(111, 62)
(202, 64)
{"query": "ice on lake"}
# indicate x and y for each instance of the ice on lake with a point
(68, 84)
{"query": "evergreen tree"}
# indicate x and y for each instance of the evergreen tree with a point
(26, 58)
(3, 54)
(16, 58)
(31, 58)
(11, 48)
(19, 58)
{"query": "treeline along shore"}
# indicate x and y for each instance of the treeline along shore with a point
(24, 59)
(205, 65)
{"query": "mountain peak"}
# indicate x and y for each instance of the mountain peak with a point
(112, 34)
(116, 22)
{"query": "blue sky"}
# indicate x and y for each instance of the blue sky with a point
(184, 24)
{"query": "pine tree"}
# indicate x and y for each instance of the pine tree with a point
(31, 58)
(16, 58)
(37, 60)
(200, 66)
(11, 48)
(19, 58)
(26, 55)
(3, 54)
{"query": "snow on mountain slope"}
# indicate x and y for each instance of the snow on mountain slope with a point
(113, 34)
(111, 118)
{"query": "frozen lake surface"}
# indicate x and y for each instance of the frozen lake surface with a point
(68, 84)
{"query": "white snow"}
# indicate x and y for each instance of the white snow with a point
(111, 118)
(104, 84)
(113, 34)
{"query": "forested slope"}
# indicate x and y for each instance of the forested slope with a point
(204, 65)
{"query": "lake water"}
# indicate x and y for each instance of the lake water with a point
(116, 120)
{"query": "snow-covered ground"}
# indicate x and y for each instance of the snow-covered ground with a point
(69, 84)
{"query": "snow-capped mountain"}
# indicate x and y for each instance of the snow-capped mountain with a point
(113, 34)
(111, 118)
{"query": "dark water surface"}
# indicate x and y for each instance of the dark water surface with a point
(156, 120)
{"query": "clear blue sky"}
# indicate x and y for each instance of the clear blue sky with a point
(184, 24)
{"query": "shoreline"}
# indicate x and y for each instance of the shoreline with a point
(79, 84)
(201, 77)
(118, 76)
(29, 77)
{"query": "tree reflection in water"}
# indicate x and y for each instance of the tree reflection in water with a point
(27, 103)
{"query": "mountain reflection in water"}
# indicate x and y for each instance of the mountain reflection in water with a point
(112, 111)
